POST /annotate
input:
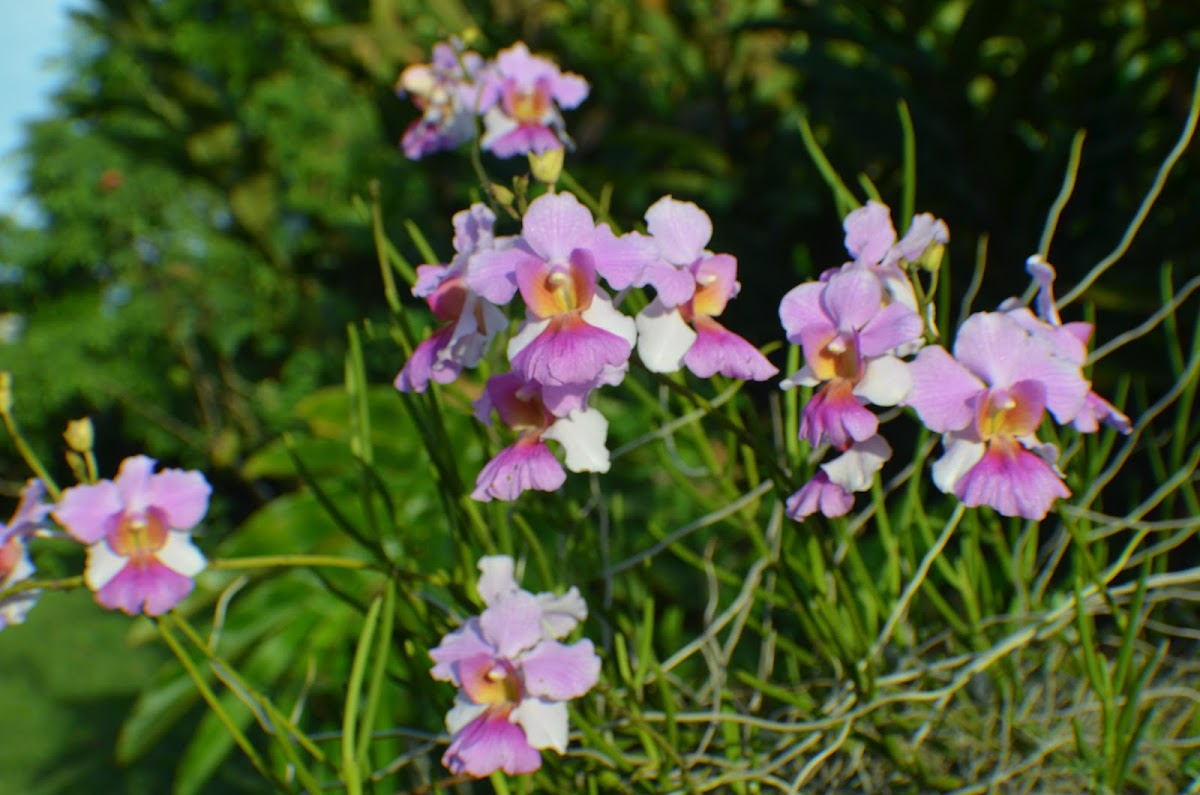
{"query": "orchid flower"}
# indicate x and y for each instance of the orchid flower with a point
(849, 334)
(692, 287)
(988, 400)
(522, 106)
(573, 336)
(528, 463)
(15, 565)
(137, 527)
(470, 321)
(514, 675)
(447, 92)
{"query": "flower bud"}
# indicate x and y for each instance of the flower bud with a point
(5, 392)
(502, 194)
(546, 166)
(931, 258)
(80, 435)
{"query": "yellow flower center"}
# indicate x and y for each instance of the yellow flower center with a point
(139, 536)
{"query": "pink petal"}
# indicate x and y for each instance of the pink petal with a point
(673, 286)
(461, 644)
(621, 260)
(681, 229)
(493, 273)
(517, 468)
(181, 496)
(133, 482)
(570, 353)
(555, 225)
(802, 309)
(429, 277)
(30, 512)
(835, 416)
(922, 232)
(536, 138)
(153, 587)
(943, 390)
(819, 494)
(892, 326)
(1012, 480)
(89, 513)
(490, 743)
(512, 624)
(869, 232)
(568, 90)
(472, 230)
(559, 672)
(427, 364)
(852, 298)
(718, 350)
(496, 578)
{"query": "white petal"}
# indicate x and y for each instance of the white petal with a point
(664, 338)
(180, 555)
(802, 377)
(498, 124)
(886, 381)
(25, 569)
(602, 314)
(855, 469)
(544, 722)
(496, 578)
(526, 334)
(900, 289)
(462, 713)
(959, 456)
(561, 613)
(582, 434)
(102, 565)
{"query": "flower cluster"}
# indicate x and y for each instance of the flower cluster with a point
(573, 338)
(856, 325)
(853, 325)
(513, 674)
(519, 95)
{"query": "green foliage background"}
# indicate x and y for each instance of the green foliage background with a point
(205, 237)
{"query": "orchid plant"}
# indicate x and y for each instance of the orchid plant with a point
(773, 639)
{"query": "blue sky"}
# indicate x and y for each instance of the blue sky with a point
(32, 34)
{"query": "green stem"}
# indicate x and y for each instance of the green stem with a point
(27, 455)
(284, 561)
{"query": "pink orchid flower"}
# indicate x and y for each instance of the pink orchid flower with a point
(573, 336)
(446, 91)
(849, 334)
(692, 287)
(988, 400)
(137, 528)
(15, 565)
(514, 675)
(523, 103)
(528, 463)
(469, 320)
